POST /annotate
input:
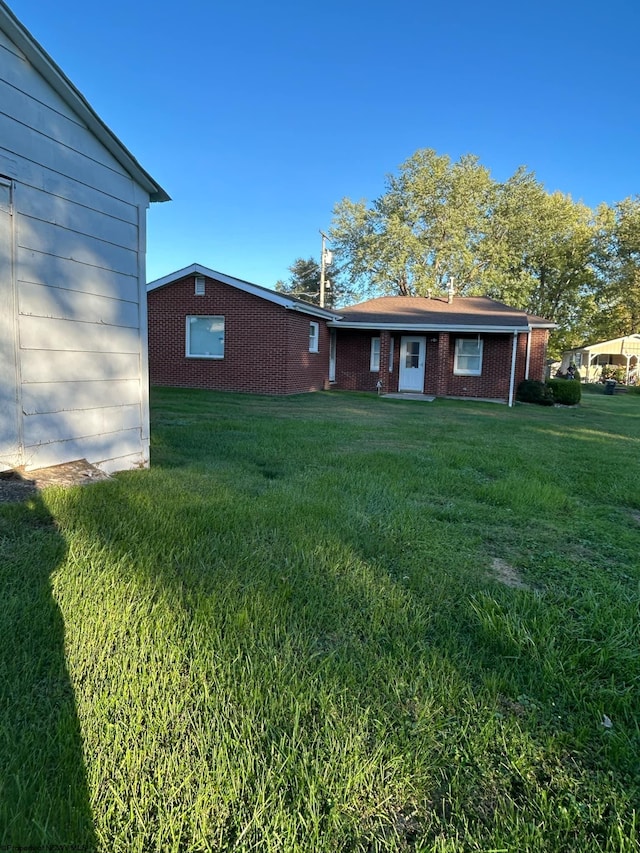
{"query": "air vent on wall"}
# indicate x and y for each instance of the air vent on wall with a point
(199, 285)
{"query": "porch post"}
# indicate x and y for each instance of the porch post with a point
(512, 380)
(385, 346)
(442, 380)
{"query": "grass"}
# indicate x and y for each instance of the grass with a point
(332, 622)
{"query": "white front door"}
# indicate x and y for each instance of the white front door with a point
(412, 358)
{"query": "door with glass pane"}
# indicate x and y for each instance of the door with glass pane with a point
(412, 359)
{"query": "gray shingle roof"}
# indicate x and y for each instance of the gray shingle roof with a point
(474, 312)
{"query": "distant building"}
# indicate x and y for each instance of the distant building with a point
(589, 359)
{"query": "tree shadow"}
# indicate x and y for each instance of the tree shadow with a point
(44, 801)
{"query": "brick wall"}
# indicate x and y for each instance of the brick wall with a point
(353, 359)
(538, 354)
(266, 348)
(354, 349)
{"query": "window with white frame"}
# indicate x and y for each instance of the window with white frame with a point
(374, 359)
(468, 357)
(314, 337)
(205, 337)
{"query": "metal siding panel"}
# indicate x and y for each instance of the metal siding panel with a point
(39, 268)
(54, 240)
(9, 386)
(110, 451)
(67, 367)
(24, 92)
(41, 429)
(47, 397)
(44, 334)
(20, 140)
(40, 301)
(78, 218)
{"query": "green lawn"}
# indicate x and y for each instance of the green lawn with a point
(332, 622)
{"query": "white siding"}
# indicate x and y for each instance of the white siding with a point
(42, 334)
(37, 300)
(79, 244)
(110, 451)
(67, 367)
(62, 426)
(9, 410)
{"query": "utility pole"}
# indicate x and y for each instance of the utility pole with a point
(325, 258)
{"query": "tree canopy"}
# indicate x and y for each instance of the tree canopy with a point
(440, 222)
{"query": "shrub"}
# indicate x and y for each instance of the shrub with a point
(611, 371)
(567, 392)
(633, 389)
(531, 391)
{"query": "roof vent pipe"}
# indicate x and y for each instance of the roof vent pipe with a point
(450, 291)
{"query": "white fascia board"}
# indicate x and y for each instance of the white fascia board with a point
(61, 84)
(316, 311)
(427, 327)
(246, 286)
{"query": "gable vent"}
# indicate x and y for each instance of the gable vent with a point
(199, 285)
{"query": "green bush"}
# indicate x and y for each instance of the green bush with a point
(633, 389)
(611, 371)
(531, 391)
(567, 392)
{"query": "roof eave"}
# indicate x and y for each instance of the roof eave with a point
(61, 84)
(429, 327)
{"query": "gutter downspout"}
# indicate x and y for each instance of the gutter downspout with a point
(512, 380)
(528, 362)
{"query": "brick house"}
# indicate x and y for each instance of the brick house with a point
(463, 346)
(209, 330)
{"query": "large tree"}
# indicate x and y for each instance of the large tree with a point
(422, 232)
(538, 255)
(617, 260)
(439, 221)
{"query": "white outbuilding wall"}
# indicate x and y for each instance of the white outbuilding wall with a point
(73, 203)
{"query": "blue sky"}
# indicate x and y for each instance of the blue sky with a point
(258, 117)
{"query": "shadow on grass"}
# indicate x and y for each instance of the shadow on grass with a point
(44, 801)
(455, 682)
(286, 609)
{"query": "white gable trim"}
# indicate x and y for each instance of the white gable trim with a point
(287, 302)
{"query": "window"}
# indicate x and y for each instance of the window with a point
(374, 361)
(314, 337)
(468, 358)
(205, 337)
